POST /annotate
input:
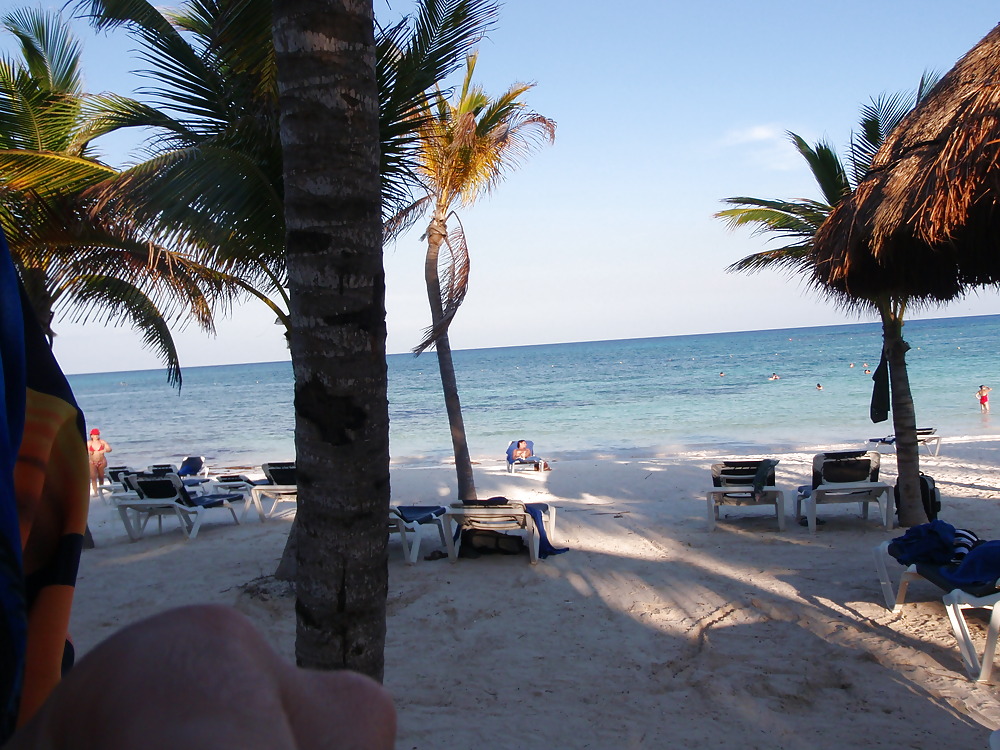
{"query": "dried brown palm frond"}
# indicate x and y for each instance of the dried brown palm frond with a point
(453, 272)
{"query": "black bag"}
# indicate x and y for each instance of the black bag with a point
(928, 494)
(480, 541)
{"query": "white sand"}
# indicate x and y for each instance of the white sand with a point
(650, 632)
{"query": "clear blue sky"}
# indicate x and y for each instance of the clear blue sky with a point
(663, 108)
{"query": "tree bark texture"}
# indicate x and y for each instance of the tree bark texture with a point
(329, 132)
(904, 423)
(436, 233)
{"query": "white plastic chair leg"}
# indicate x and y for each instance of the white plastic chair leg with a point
(893, 600)
(414, 552)
(779, 510)
(954, 602)
(533, 540)
(440, 527)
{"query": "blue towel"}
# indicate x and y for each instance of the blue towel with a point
(419, 513)
(980, 566)
(537, 512)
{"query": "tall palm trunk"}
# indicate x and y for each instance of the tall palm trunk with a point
(904, 422)
(436, 233)
(329, 132)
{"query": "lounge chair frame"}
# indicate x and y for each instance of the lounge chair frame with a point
(509, 517)
(829, 485)
(153, 499)
(734, 482)
(405, 519)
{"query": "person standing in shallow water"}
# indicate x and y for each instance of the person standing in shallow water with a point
(984, 400)
(96, 450)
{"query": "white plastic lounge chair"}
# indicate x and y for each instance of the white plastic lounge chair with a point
(956, 601)
(926, 436)
(512, 516)
(735, 483)
(845, 477)
(412, 519)
(166, 495)
(281, 485)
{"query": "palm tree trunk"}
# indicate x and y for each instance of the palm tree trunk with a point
(436, 233)
(449, 386)
(329, 132)
(904, 423)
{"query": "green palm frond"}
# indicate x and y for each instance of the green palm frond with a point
(800, 218)
(217, 197)
(879, 118)
(794, 259)
(113, 301)
(50, 52)
(184, 83)
(46, 173)
(826, 168)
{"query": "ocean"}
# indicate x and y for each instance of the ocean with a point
(634, 397)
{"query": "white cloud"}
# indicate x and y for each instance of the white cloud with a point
(752, 134)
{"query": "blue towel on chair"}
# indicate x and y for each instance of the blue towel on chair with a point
(420, 513)
(981, 566)
(537, 513)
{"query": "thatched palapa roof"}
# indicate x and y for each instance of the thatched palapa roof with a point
(925, 221)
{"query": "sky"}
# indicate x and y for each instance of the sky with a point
(663, 109)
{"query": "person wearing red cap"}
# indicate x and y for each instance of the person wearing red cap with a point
(96, 448)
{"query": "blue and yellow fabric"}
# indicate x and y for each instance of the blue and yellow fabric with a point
(43, 507)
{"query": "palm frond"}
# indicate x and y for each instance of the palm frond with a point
(826, 168)
(50, 51)
(47, 173)
(111, 300)
(404, 218)
(453, 273)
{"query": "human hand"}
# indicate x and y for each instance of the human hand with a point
(203, 677)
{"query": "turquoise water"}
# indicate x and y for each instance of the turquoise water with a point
(631, 397)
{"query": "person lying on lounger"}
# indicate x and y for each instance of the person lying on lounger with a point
(523, 453)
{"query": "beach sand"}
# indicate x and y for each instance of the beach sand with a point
(649, 633)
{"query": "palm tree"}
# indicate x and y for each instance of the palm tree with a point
(330, 137)
(798, 221)
(214, 176)
(75, 258)
(466, 147)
